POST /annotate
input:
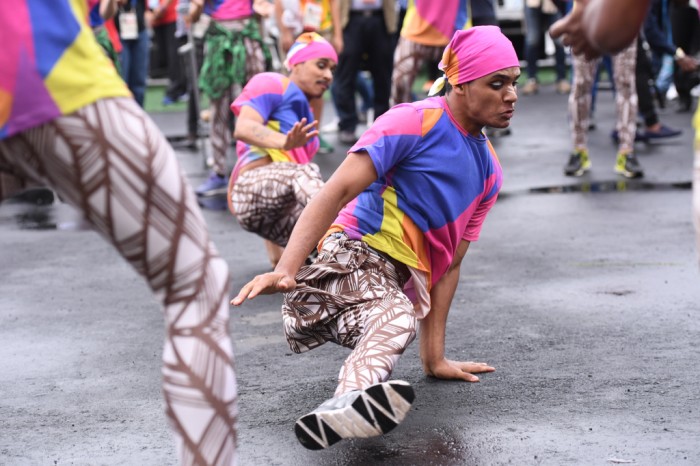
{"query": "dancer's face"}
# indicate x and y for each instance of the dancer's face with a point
(313, 77)
(487, 101)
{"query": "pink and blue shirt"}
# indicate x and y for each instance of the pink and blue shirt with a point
(432, 23)
(280, 103)
(50, 64)
(226, 10)
(435, 185)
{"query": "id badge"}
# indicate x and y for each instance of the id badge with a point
(128, 26)
(312, 16)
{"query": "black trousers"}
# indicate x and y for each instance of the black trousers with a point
(645, 81)
(367, 43)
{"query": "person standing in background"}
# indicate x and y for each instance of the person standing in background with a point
(233, 53)
(539, 16)
(131, 24)
(427, 28)
(367, 29)
(163, 20)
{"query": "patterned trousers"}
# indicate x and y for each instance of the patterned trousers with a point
(110, 161)
(268, 200)
(625, 97)
(351, 296)
(409, 57)
(219, 129)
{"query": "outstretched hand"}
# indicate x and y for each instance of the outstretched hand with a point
(457, 370)
(267, 283)
(300, 134)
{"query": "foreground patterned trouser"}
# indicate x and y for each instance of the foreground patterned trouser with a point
(625, 97)
(219, 129)
(268, 200)
(409, 57)
(110, 161)
(351, 296)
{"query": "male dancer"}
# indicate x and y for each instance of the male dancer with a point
(273, 179)
(395, 221)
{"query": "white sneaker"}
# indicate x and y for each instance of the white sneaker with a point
(357, 414)
(331, 126)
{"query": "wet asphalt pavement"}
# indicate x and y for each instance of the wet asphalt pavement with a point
(583, 293)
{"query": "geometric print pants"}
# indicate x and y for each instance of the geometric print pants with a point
(409, 57)
(268, 200)
(351, 296)
(626, 102)
(111, 162)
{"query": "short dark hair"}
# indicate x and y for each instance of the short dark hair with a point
(447, 89)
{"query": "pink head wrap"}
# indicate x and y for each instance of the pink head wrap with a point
(308, 46)
(476, 52)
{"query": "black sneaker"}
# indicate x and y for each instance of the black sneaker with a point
(578, 164)
(627, 165)
(357, 414)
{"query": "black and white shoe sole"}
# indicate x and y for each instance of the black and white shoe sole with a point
(376, 411)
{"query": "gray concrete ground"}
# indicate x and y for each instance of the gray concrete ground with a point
(585, 302)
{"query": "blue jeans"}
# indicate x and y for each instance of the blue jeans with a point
(537, 25)
(134, 59)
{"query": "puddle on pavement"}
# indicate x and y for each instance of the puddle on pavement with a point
(29, 217)
(609, 186)
(436, 446)
(39, 216)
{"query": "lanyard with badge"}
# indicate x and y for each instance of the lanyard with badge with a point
(312, 16)
(128, 24)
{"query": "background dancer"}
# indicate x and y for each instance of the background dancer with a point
(273, 179)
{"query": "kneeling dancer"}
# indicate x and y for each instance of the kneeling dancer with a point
(273, 179)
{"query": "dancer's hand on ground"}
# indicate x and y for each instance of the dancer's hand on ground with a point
(300, 134)
(267, 283)
(456, 370)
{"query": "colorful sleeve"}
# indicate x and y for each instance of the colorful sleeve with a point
(264, 93)
(493, 186)
(210, 6)
(393, 137)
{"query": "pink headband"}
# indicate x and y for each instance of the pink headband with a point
(308, 46)
(476, 52)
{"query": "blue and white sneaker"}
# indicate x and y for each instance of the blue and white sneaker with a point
(358, 414)
(214, 185)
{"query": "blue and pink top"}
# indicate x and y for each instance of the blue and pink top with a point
(281, 104)
(435, 185)
(432, 23)
(51, 64)
(226, 10)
